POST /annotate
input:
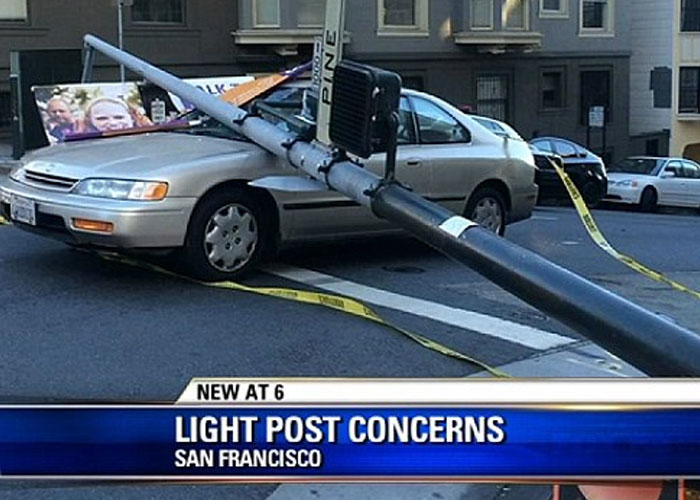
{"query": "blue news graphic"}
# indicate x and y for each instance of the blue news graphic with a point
(369, 442)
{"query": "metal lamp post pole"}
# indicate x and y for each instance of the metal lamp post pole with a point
(651, 343)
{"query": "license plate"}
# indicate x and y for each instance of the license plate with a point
(23, 210)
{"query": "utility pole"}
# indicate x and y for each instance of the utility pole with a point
(120, 4)
(649, 342)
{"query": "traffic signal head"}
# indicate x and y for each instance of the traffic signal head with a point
(364, 98)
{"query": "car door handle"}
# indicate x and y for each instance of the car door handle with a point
(414, 162)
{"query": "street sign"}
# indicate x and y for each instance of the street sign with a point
(317, 62)
(333, 33)
(596, 117)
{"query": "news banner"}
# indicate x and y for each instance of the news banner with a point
(373, 430)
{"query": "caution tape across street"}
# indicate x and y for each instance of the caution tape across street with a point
(597, 236)
(337, 302)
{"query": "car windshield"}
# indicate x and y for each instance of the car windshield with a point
(206, 125)
(643, 166)
(500, 129)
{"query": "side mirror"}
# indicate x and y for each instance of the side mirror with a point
(669, 174)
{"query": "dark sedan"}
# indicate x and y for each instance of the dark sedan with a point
(585, 169)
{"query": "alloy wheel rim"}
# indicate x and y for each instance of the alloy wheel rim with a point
(230, 238)
(487, 213)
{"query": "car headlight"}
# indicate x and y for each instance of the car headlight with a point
(628, 183)
(122, 190)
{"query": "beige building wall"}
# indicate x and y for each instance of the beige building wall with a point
(685, 131)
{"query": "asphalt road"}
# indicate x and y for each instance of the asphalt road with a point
(75, 327)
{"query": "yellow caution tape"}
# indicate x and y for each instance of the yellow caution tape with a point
(337, 302)
(597, 236)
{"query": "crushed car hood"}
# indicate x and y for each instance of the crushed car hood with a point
(133, 156)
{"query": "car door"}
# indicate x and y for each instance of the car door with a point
(327, 213)
(671, 184)
(455, 169)
(692, 183)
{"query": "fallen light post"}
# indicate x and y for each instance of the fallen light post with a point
(649, 342)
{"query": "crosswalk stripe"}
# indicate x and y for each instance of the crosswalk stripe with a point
(491, 326)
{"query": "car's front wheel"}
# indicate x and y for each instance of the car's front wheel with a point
(226, 235)
(487, 208)
(648, 200)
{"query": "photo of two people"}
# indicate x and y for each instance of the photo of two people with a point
(68, 110)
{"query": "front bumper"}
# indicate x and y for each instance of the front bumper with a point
(137, 224)
(623, 194)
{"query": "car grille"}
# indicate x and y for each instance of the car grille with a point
(40, 179)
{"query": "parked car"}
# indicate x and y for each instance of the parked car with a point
(188, 190)
(649, 182)
(586, 170)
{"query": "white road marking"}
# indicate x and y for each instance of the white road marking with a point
(543, 217)
(570, 243)
(491, 326)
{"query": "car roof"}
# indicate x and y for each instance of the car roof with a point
(662, 158)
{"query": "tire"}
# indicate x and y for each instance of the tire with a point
(227, 235)
(590, 194)
(487, 208)
(648, 200)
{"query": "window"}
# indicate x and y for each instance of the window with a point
(266, 13)
(544, 145)
(675, 168)
(564, 149)
(407, 130)
(596, 16)
(691, 170)
(158, 11)
(661, 83)
(481, 14)
(436, 126)
(516, 17)
(492, 97)
(690, 15)
(554, 8)
(403, 15)
(689, 92)
(13, 10)
(595, 91)
(311, 12)
(552, 85)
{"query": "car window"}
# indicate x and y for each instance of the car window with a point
(644, 166)
(675, 168)
(407, 129)
(544, 145)
(436, 126)
(492, 126)
(691, 170)
(564, 149)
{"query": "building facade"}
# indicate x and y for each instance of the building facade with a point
(685, 133)
(651, 76)
(539, 66)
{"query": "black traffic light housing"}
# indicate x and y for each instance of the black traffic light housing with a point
(365, 100)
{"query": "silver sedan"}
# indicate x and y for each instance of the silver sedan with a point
(189, 190)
